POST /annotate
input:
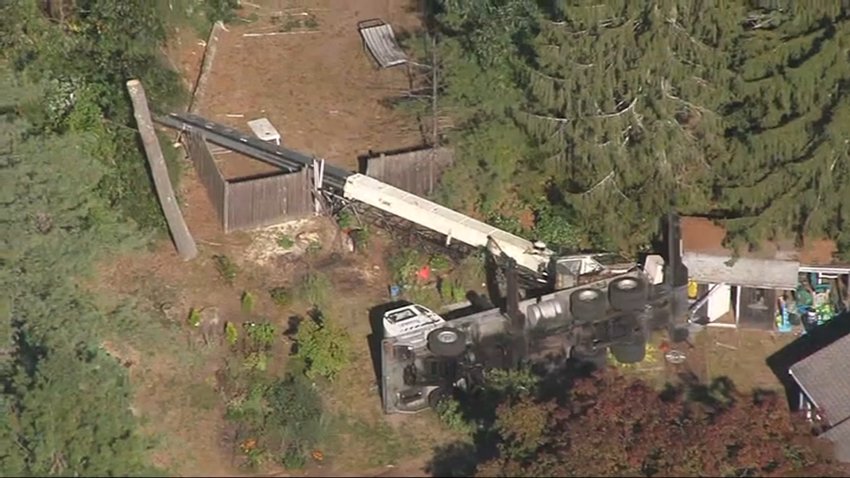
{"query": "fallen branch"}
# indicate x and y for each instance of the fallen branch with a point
(618, 113)
(548, 118)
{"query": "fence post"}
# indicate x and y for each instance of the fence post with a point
(318, 179)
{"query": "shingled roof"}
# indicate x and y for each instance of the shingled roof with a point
(825, 378)
(839, 435)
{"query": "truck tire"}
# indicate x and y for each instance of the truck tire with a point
(587, 305)
(437, 396)
(627, 293)
(446, 342)
(633, 352)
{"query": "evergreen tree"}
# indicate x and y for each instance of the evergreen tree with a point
(788, 168)
(479, 50)
(625, 104)
(65, 403)
(736, 110)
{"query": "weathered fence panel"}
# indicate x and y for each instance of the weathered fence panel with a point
(416, 172)
(210, 176)
(258, 202)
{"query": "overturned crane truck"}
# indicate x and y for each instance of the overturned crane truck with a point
(425, 357)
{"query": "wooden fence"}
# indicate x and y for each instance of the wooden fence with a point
(416, 172)
(268, 200)
(249, 203)
(210, 176)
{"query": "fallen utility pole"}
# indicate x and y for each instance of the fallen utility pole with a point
(183, 241)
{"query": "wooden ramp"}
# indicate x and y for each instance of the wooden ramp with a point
(379, 39)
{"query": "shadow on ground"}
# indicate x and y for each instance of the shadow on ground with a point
(454, 459)
(816, 339)
(373, 340)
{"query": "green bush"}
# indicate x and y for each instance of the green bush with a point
(194, 319)
(281, 418)
(345, 219)
(257, 361)
(226, 268)
(247, 303)
(285, 241)
(260, 336)
(440, 262)
(360, 238)
(231, 333)
(451, 414)
(323, 346)
(404, 264)
(281, 296)
(294, 458)
(452, 290)
(314, 289)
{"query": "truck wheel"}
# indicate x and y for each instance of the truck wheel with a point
(447, 342)
(629, 353)
(438, 396)
(587, 305)
(627, 293)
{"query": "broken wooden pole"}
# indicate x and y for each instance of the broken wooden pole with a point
(206, 66)
(183, 241)
(210, 47)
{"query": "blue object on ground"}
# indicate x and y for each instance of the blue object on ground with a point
(395, 291)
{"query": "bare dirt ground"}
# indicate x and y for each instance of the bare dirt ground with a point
(316, 84)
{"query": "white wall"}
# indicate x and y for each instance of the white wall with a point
(720, 302)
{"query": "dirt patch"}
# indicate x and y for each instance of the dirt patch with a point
(288, 241)
(319, 89)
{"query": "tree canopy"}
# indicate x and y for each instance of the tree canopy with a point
(74, 187)
(703, 431)
(65, 402)
(616, 111)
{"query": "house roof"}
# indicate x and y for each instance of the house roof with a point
(839, 435)
(825, 378)
(703, 236)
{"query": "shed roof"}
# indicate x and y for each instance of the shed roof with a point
(744, 271)
(825, 378)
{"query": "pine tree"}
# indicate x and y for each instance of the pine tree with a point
(625, 101)
(479, 49)
(64, 402)
(789, 169)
